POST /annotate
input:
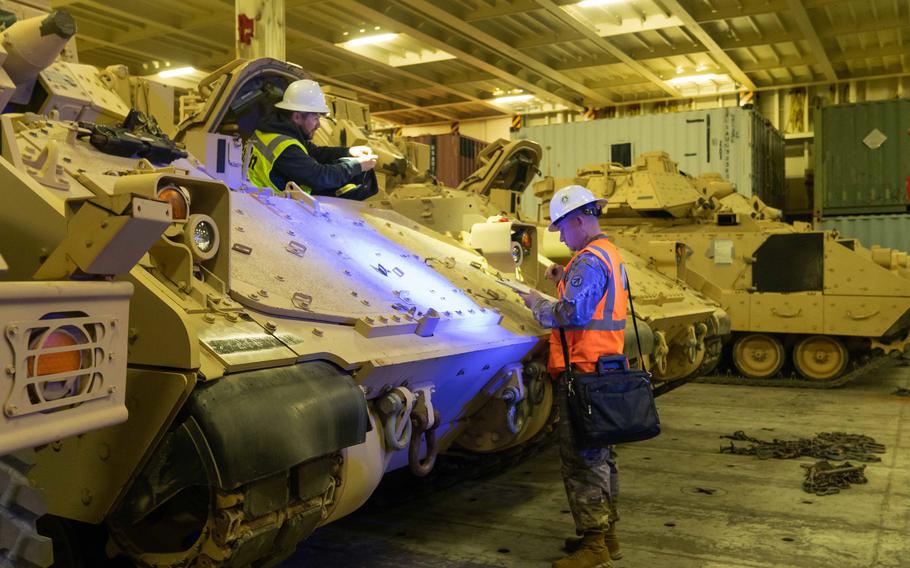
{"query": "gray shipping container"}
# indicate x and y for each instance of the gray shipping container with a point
(734, 142)
(862, 158)
(891, 231)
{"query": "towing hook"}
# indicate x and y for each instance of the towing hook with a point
(396, 407)
(422, 467)
(515, 420)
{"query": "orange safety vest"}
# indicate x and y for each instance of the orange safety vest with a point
(605, 333)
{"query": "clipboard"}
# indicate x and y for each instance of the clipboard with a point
(523, 288)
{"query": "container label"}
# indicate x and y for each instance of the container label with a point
(875, 139)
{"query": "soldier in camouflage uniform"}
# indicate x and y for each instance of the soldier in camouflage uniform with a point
(592, 311)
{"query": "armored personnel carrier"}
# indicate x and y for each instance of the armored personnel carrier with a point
(283, 352)
(794, 294)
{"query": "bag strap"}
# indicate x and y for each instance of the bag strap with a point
(565, 355)
(641, 359)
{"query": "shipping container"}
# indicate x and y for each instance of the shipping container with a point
(892, 231)
(453, 157)
(862, 158)
(735, 142)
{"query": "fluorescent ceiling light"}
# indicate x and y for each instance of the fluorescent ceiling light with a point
(703, 78)
(595, 3)
(511, 99)
(371, 40)
(178, 72)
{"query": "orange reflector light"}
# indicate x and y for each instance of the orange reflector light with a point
(526, 240)
(53, 363)
(179, 206)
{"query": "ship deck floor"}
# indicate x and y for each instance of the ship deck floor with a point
(683, 504)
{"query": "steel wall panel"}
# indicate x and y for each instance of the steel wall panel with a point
(886, 230)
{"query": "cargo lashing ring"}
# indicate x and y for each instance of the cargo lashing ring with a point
(695, 340)
(661, 352)
(425, 420)
(397, 406)
(512, 395)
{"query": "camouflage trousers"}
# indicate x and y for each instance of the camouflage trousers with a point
(590, 475)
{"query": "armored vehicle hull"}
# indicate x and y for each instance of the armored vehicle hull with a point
(796, 297)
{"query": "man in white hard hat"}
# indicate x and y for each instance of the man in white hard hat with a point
(592, 310)
(283, 151)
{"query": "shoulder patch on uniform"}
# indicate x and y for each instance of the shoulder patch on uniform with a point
(576, 281)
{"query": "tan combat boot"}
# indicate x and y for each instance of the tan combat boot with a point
(591, 553)
(610, 539)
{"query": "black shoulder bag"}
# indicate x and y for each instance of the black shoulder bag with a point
(614, 404)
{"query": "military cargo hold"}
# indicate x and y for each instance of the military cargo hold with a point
(826, 305)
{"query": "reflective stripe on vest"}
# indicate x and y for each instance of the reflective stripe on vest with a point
(267, 147)
(605, 333)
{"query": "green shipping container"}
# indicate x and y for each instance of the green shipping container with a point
(862, 158)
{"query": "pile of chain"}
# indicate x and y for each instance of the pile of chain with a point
(824, 478)
(824, 446)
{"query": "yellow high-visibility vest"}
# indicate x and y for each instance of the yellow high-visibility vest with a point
(266, 149)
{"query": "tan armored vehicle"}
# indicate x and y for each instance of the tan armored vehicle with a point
(283, 352)
(794, 294)
(483, 214)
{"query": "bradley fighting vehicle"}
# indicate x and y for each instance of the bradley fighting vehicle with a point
(793, 293)
(283, 352)
(483, 213)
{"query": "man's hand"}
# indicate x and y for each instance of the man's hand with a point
(555, 272)
(358, 151)
(531, 297)
(367, 161)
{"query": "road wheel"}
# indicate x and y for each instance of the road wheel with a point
(758, 355)
(820, 357)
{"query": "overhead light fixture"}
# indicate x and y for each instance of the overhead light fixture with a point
(178, 72)
(511, 99)
(371, 40)
(596, 3)
(703, 78)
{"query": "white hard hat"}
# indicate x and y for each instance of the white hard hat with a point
(569, 199)
(303, 96)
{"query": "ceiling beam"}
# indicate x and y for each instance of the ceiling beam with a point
(729, 10)
(313, 37)
(144, 55)
(453, 22)
(392, 17)
(891, 50)
(798, 11)
(509, 9)
(150, 28)
(448, 104)
(573, 20)
(408, 106)
(693, 27)
(455, 79)
(782, 63)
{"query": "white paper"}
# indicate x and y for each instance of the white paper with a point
(723, 251)
(523, 288)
